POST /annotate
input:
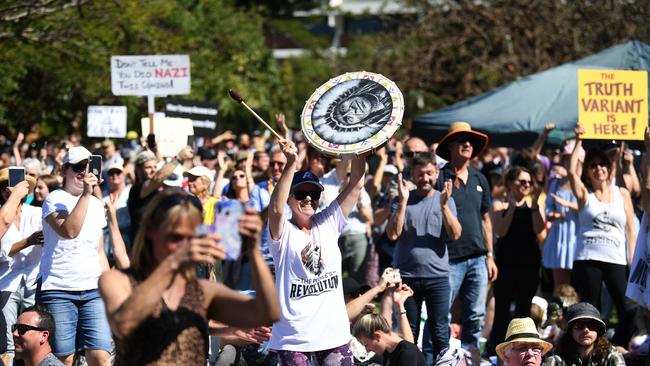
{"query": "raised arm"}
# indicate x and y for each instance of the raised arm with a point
(283, 187)
(163, 173)
(356, 306)
(9, 209)
(264, 308)
(645, 169)
(578, 188)
(502, 214)
(628, 174)
(379, 173)
(128, 307)
(396, 222)
(349, 196)
(541, 139)
(117, 242)
(400, 295)
(452, 225)
(68, 225)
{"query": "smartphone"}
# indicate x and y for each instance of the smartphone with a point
(226, 223)
(16, 175)
(395, 276)
(95, 165)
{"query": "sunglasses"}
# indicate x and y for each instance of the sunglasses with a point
(114, 172)
(24, 328)
(79, 167)
(301, 195)
(238, 176)
(278, 163)
(524, 182)
(582, 324)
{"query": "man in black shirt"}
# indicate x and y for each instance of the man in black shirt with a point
(471, 262)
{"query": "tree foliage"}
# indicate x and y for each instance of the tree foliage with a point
(56, 64)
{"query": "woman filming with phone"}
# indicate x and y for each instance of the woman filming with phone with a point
(73, 259)
(158, 309)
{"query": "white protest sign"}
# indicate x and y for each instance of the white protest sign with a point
(106, 121)
(171, 133)
(156, 75)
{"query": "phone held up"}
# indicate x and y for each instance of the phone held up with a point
(95, 165)
(16, 175)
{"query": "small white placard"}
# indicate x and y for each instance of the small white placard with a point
(106, 121)
(156, 75)
(171, 133)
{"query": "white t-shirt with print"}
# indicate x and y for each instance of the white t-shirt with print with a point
(71, 264)
(23, 264)
(308, 285)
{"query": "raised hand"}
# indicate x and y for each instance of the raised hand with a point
(580, 130)
(198, 250)
(446, 193)
(402, 189)
(289, 150)
(402, 293)
(21, 189)
(111, 207)
(281, 120)
(90, 181)
(250, 228)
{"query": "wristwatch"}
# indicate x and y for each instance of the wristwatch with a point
(489, 254)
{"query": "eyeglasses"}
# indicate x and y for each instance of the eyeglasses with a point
(524, 182)
(278, 163)
(582, 324)
(301, 195)
(24, 328)
(79, 167)
(523, 349)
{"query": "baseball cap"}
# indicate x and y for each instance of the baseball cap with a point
(199, 171)
(116, 167)
(76, 154)
(305, 177)
(390, 169)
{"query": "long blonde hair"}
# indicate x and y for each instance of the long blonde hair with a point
(166, 210)
(367, 325)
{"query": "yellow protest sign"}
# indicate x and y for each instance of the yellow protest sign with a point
(613, 104)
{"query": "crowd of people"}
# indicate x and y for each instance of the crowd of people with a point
(450, 253)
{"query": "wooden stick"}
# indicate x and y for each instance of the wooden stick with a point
(234, 95)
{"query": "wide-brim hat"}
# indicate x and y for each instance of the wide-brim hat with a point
(4, 177)
(584, 310)
(478, 140)
(522, 330)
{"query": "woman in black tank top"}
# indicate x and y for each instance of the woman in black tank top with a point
(518, 257)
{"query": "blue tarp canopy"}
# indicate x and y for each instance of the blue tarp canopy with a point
(515, 113)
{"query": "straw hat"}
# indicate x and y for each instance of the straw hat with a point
(478, 140)
(522, 330)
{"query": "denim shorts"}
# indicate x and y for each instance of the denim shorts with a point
(80, 319)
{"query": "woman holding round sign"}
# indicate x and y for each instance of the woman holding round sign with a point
(314, 325)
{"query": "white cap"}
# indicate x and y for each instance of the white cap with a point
(76, 154)
(391, 169)
(199, 171)
(116, 167)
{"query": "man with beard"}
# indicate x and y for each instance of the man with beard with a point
(422, 221)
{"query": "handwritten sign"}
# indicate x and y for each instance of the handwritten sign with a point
(106, 121)
(171, 133)
(157, 75)
(613, 104)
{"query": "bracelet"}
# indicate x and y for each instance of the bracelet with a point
(489, 254)
(179, 160)
(402, 312)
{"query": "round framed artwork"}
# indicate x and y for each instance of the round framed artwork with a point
(352, 114)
